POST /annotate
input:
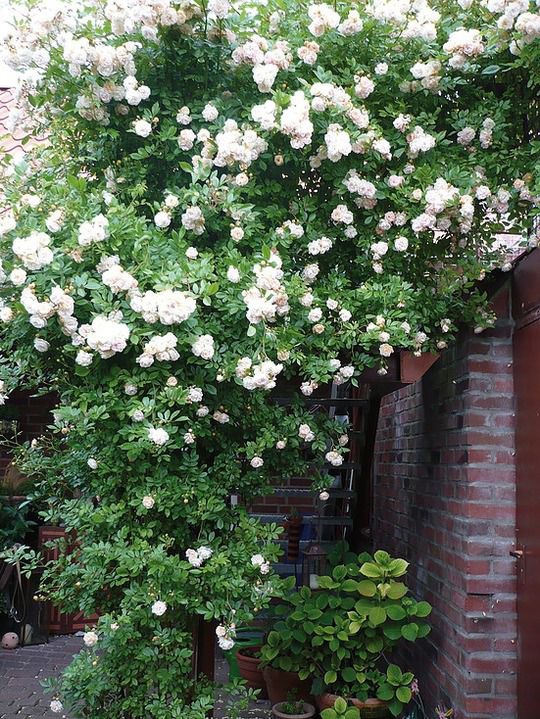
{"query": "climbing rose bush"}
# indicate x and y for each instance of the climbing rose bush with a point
(233, 197)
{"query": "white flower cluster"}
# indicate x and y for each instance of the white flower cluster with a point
(90, 639)
(327, 94)
(203, 347)
(193, 219)
(323, 18)
(221, 417)
(295, 122)
(235, 145)
(342, 215)
(419, 141)
(257, 560)
(158, 436)
(260, 376)
(320, 246)
(161, 348)
(528, 24)
(159, 608)
(309, 52)
(55, 221)
(444, 204)
(94, 230)
(343, 373)
(268, 297)
(352, 24)
(104, 60)
(334, 458)
(170, 307)
(428, 73)
(3, 393)
(196, 557)
(225, 635)
(33, 251)
(116, 278)
(59, 302)
(338, 142)
(105, 335)
(463, 45)
(414, 19)
(306, 433)
(364, 189)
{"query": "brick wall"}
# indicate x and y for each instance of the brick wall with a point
(444, 498)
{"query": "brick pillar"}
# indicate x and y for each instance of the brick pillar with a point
(444, 498)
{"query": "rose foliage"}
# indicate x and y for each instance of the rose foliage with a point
(232, 196)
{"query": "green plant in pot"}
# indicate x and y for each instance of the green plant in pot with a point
(293, 708)
(341, 635)
(341, 710)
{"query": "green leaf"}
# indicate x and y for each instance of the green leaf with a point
(367, 588)
(377, 616)
(392, 632)
(394, 674)
(381, 557)
(349, 675)
(397, 590)
(385, 692)
(491, 70)
(396, 612)
(404, 694)
(368, 569)
(340, 705)
(423, 609)
(374, 645)
(410, 632)
(349, 585)
(330, 677)
(397, 567)
(339, 572)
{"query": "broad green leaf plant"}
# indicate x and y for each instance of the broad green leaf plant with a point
(342, 635)
(232, 197)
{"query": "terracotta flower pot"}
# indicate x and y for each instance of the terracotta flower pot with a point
(307, 713)
(280, 685)
(250, 670)
(369, 708)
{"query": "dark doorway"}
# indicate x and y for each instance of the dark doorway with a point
(527, 551)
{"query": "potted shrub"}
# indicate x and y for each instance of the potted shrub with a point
(249, 667)
(293, 708)
(340, 636)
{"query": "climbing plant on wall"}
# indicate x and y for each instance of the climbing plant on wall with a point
(233, 195)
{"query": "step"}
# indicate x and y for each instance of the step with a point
(307, 519)
(341, 402)
(307, 492)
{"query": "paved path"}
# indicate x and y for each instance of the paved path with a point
(22, 670)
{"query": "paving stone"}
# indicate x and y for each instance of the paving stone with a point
(22, 670)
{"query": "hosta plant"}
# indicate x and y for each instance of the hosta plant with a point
(231, 196)
(342, 634)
